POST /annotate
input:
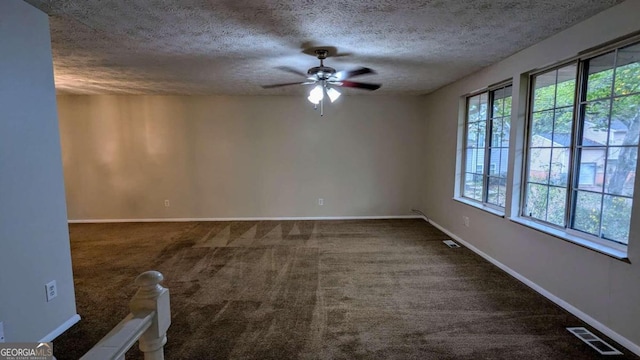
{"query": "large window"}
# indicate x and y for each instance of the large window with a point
(487, 126)
(584, 124)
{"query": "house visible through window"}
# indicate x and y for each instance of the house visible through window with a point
(581, 166)
(488, 116)
(587, 176)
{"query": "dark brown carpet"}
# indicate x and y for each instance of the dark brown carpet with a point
(379, 289)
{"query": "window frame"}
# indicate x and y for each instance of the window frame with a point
(567, 232)
(486, 168)
(528, 139)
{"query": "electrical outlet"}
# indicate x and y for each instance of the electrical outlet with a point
(1, 332)
(320, 201)
(167, 203)
(52, 290)
(465, 220)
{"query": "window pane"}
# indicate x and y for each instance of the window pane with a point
(596, 123)
(587, 176)
(544, 91)
(628, 70)
(473, 186)
(472, 135)
(621, 170)
(484, 102)
(498, 103)
(557, 203)
(504, 162)
(482, 134)
(493, 190)
(537, 201)
(473, 109)
(507, 102)
(587, 212)
(625, 121)
(502, 102)
(479, 162)
(600, 78)
(502, 192)
(470, 160)
(470, 186)
(616, 218)
(494, 161)
(497, 132)
(498, 162)
(562, 127)
(591, 169)
(542, 128)
(559, 172)
(566, 87)
(539, 162)
(477, 181)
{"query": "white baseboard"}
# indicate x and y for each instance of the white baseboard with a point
(86, 221)
(635, 348)
(60, 329)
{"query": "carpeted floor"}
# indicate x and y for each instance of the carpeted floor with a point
(378, 289)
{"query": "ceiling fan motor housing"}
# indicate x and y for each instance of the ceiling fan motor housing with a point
(321, 72)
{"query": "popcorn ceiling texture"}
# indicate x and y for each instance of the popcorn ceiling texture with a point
(233, 46)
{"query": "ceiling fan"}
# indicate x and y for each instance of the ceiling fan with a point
(326, 80)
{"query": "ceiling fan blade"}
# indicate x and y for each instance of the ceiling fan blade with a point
(286, 84)
(346, 74)
(358, 85)
(291, 70)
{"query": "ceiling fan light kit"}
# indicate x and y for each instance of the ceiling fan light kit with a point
(326, 79)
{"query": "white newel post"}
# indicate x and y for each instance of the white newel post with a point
(151, 296)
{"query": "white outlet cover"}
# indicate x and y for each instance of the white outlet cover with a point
(52, 290)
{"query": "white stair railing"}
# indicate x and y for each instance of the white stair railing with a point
(147, 323)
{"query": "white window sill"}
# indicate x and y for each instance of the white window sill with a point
(480, 206)
(603, 249)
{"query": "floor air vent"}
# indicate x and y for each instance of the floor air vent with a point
(592, 340)
(451, 244)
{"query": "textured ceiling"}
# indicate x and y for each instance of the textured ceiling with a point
(234, 46)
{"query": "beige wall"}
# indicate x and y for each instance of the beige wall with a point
(34, 238)
(242, 156)
(606, 289)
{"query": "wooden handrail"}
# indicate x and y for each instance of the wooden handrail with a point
(147, 323)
